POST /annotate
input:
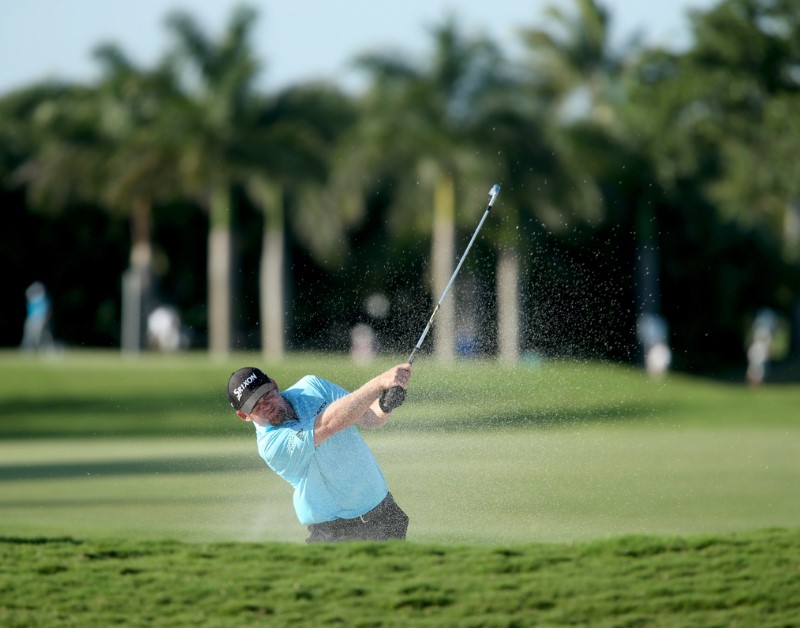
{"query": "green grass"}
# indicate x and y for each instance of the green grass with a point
(91, 393)
(747, 579)
(564, 493)
(95, 446)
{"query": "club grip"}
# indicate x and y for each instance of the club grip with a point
(392, 398)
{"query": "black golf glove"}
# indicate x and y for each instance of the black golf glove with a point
(392, 398)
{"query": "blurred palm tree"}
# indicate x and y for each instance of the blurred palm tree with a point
(276, 147)
(16, 132)
(722, 118)
(574, 66)
(216, 118)
(106, 145)
(294, 141)
(423, 118)
(747, 56)
(573, 63)
(140, 167)
(543, 177)
(744, 92)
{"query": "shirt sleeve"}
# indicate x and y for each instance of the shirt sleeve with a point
(325, 390)
(288, 451)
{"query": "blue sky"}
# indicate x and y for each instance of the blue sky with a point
(296, 39)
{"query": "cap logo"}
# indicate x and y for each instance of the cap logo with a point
(240, 389)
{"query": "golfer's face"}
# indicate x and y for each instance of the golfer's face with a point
(271, 407)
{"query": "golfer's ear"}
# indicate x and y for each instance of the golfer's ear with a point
(242, 415)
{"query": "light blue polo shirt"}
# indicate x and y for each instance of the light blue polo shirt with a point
(338, 479)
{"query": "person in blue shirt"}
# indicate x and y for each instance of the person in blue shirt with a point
(308, 434)
(36, 335)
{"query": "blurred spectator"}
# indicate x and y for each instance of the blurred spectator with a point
(164, 330)
(362, 343)
(758, 352)
(651, 330)
(466, 344)
(37, 334)
(657, 360)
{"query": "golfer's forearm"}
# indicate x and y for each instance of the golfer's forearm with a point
(344, 412)
(374, 417)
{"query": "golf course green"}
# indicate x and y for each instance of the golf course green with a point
(551, 467)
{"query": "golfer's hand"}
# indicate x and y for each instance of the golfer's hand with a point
(395, 393)
(398, 376)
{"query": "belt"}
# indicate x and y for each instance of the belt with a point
(365, 518)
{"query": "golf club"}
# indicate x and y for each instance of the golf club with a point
(392, 398)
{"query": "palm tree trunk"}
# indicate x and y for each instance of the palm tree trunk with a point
(442, 255)
(647, 278)
(141, 250)
(219, 273)
(137, 294)
(791, 242)
(508, 306)
(271, 278)
(794, 329)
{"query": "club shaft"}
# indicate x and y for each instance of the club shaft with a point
(494, 192)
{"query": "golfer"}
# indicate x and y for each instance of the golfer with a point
(308, 435)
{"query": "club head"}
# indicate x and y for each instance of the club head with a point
(494, 192)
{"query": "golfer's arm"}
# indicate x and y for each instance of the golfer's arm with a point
(346, 411)
(374, 417)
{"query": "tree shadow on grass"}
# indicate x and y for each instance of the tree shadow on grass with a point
(134, 402)
(82, 418)
(40, 540)
(117, 417)
(540, 418)
(61, 470)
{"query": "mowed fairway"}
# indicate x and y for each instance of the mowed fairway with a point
(94, 446)
(562, 493)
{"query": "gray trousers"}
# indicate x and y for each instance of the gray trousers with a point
(385, 522)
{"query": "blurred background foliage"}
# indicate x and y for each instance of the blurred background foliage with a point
(635, 181)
